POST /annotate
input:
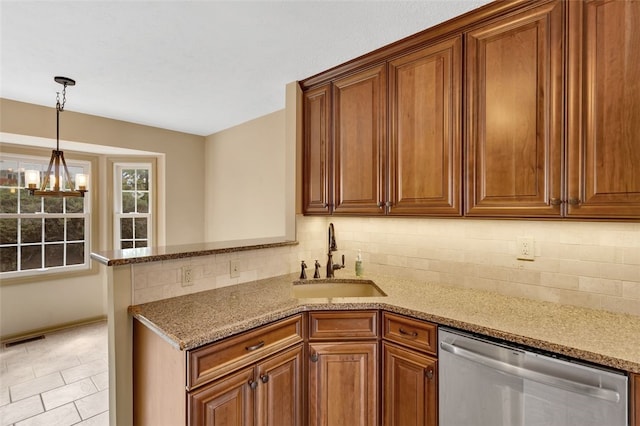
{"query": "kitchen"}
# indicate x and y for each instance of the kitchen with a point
(591, 264)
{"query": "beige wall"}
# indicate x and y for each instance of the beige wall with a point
(43, 303)
(245, 180)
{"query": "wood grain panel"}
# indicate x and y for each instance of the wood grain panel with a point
(425, 130)
(280, 392)
(317, 153)
(410, 387)
(359, 102)
(343, 384)
(350, 325)
(514, 74)
(604, 109)
(416, 334)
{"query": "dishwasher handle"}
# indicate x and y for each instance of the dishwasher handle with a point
(514, 370)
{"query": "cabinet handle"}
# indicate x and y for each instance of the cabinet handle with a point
(264, 378)
(408, 333)
(574, 201)
(389, 204)
(256, 346)
(429, 373)
(253, 384)
(380, 204)
(555, 201)
(314, 357)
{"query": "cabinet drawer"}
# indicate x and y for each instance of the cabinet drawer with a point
(410, 332)
(343, 325)
(217, 359)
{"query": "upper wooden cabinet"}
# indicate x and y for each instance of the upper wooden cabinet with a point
(604, 109)
(514, 77)
(548, 122)
(425, 92)
(317, 150)
(359, 123)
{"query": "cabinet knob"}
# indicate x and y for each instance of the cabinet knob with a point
(253, 384)
(555, 201)
(429, 373)
(574, 201)
(264, 378)
(380, 204)
(314, 357)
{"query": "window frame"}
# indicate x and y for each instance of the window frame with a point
(116, 169)
(87, 215)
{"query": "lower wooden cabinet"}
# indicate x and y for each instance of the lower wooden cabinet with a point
(268, 394)
(634, 411)
(343, 385)
(410, 387)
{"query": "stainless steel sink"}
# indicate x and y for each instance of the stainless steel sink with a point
(336, 287)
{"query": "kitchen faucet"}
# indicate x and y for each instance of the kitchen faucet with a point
(332, 246)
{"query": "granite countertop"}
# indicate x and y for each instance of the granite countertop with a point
(155, 254)
(597, 336)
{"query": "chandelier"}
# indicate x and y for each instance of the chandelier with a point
(58, 183)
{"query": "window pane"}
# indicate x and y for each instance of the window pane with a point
(8, 200)
(75, 253)
(126, 229)
(126, 244)
(31, 230)
(75, 229)
(141, 228)
(53, 255)
(52, 205)
(8, 259)
(128, 179)
(141, 243)
(9, 173)
(143, 180)
(8, 231)
(143, 202)
(31, 257)
(75, 205)
(30, 203)
(54, 229)
(128, 202)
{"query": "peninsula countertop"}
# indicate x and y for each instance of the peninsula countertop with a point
(592, 335)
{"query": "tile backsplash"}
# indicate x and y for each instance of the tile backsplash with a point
(591, 264)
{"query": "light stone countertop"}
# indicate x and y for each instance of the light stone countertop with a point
(597, 336)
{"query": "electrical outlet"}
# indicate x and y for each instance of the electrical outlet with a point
(524, 248)
(234, 268)
(187, 276)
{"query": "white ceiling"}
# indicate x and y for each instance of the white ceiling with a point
(193, 66)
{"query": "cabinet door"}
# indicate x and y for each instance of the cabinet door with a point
(634, 413)
(514, 104)
(225, 402)
(359, 105)
(604, 109)
(409, 387)
(279, 396)
(425, 91)
(343, 384)
(316, 151)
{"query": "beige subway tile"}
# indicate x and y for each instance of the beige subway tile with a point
(579, 267)
(523, 276)
(557, 280)
(620, 305)
(492, 272)
(631, 290)
(593, 253)
(631, 256)
(620, 272)
(600, 285)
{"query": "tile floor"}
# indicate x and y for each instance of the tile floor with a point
(60, 380)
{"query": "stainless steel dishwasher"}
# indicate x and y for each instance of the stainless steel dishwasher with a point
(484, 383)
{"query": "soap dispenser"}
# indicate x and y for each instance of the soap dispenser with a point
(359, 269)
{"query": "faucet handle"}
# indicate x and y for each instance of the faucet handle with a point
(343, 260)
(303, 273)
(316, 274)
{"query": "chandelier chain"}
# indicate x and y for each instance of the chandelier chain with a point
(59, 106)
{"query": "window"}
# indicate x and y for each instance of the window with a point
(133, 201)
(40, 234)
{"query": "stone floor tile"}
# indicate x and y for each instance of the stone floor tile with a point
(20, 410)
(101, 419)
(101, 380)
(68, 393)
(35, 386)
(94, 404)
(64, 415)
(83, 371)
